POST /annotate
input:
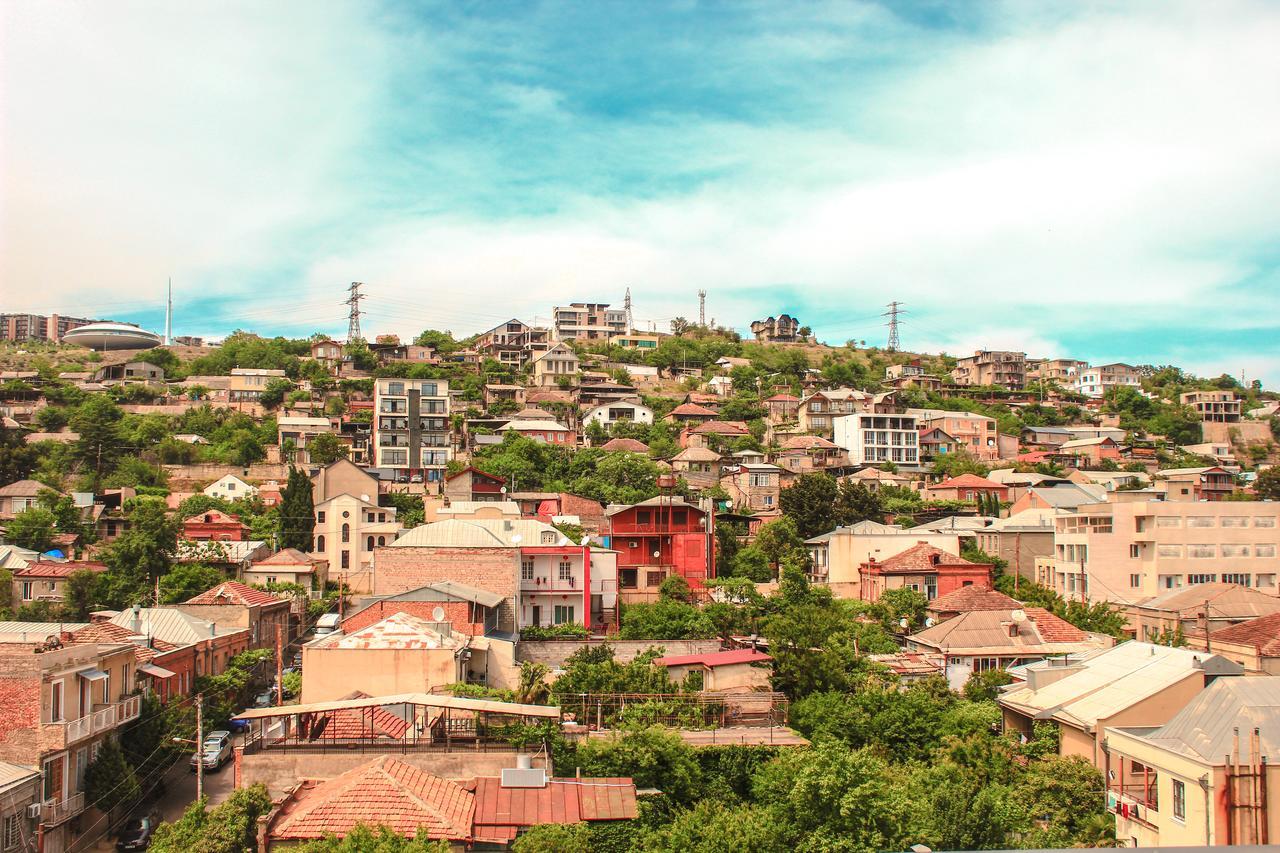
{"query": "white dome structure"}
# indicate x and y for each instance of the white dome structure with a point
(111, 336)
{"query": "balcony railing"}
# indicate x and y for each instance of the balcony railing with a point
(544, 584)
(56, 811)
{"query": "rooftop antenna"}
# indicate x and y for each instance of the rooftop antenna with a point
(892, 314)
(626, 306)
(702, 308)
(353, 317)
(168, 316)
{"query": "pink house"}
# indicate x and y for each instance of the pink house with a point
(966, 488)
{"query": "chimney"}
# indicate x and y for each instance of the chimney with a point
(137, 619)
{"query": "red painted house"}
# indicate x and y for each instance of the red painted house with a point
(472, 484)
(214, 526)
(660, 537)
(923, 568)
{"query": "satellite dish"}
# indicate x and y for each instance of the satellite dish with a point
(929, 623)
(657, 553)
(364, 498)
(1018, 616)
(437, 615)
(903, 623)
(516, 538)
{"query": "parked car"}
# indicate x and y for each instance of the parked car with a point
(265, 699)
(327, 624)
(136, 832)
(214, 752)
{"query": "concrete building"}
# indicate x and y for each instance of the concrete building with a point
(1132, 684)
(38, 327)
(411, 428)
(924, 568)
(348, 528)
(212, 644)
(1019, 540)
(622, 412)
(1221, 407)
(247, 383)
(753, 486)
(557, 367)
(805, 454)
(1196, 609)
(299, 430)
(700, 467)
(233, 606)
(773, 330)
(60, 703)
(1097, 381)
(992, 368)
(818, 412)
(1211, 483)
(1254, 644)
(1128, 552)
(733, 671)
(18, 496)
(978, 434)
(20, 803)
(587, 321)
(1060, 371)
(873, 439)
(513, 343)
(42, 580)
(966, 488)
(229, 487)
(1203, 777)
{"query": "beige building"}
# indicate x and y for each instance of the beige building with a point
(734, 671)
(300, 430)
(557, 366)
(818, 412)
(347, 530)
(753, 487)
(1063, 371)
(247, 383)
(699, 466)
(343, 477)
(1214, 406)
(992, 368)
(1096, 381)
(1128, 552)
(590, 321)
(978, 434)
(1020, 539)
(837, 556)
(1132, 684)
(1203, 777)
(1196, 609)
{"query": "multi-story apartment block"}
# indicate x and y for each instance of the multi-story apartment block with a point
(1096, 381)
(298, 430)
(874, 439)
(1130, 551)
(977, 434)
(61, 702)
(1062, 371)
(588, 321)
(247, 383)
(1221, 407)
(37, 327)
(994, 368)
(411, 429)
(818, 411)
(513, 343)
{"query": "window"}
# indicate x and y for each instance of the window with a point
(1264, 521)
(1236, 577)
(642, 516)
(654, 579)
(320, 542)
(1174, 551)
(1168, 521)
(27, 590)
(320, 517)
(382, 540)
(1202, 578)
(566, 570)
(369, 544)
(346, 559)
(1179, 799)
(1135, 551)
(12, 832)
(1202, 552)
(1135, 581)
(562, 613)
(1264, 550)
(55, 702)
(346, 532)
(526, 569)
(680, 517)
(1235, 550)
(395, 388)
(548, 537)
(1235, 521)
(1201, 521)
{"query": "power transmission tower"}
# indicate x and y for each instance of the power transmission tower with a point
(626, 306)
(892, 314)
(702, 308)
(353, 317)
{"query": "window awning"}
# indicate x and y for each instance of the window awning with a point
(92, 675)
(155, 671)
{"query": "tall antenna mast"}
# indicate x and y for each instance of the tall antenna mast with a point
(353, 317)
(168, 316)
(892, 314)
(626, 306)
(702, 308)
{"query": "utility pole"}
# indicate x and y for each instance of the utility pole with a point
(702, 308)
(279, 668)
(199, 746)
(892, 314)
(353, 316)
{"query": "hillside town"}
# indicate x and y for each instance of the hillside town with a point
(584, 587)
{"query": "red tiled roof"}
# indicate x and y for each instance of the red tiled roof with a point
(968, 481)
(499, 810)
(806, 442)
(234, 592)
(968, 598)
(723, 427)
(692, 409)
(782, 398)
(629, 445)
(714, 659)
(109, 632)
(384, 791)
(1262, 633)
(1054, 629)
(920, 557)
(216, 516)
(41, 569)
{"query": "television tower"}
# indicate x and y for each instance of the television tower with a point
(168, 316)
(892, 314)
(353, 317)
(702, 308)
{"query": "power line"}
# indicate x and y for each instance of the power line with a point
(892, 314)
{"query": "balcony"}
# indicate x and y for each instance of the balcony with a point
(53, 812)
(544, 584)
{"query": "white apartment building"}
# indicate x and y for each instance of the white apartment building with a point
(873, 439)
(1095, 381)
(411, 429)
(589, 321)
(1127, 552)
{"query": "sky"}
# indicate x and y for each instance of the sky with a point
(1079, 179)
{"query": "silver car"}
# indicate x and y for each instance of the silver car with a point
(214, 752)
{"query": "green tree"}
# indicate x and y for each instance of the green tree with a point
(32, 528)
(109, 781)
(666, 619)
(325, 448)
(81, 595)
(101, 443)
(17, 458)
(554, 838)
(780, 539)
(1267, 484)
(297, 512)
(985, 686)
(653, 757)
(230, 827)
(960, 462)
(713, 827)
(187, 580)
(273, 392)
(141, 554)
(810, 502)
(382, 839)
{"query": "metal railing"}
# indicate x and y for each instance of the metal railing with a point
(56, 811)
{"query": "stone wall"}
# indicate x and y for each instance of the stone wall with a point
(555, 652)
(400, 569)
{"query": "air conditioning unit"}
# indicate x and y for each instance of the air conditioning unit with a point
(33, 811)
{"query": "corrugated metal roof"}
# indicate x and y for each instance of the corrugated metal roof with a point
(16, 774)
(1115, 680)
(1225, 600)
(457, 703)
(479, 533)
(1206, 728)
(398, 631)
(172, 626)
(35, 632)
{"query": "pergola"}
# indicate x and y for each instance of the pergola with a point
(404, 722)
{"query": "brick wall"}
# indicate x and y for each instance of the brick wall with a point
(398, 570)
(555, 652)
(19, 704)
(456, 613)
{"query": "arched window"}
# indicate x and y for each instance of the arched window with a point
(369, 547)
(346, 533)
(382, 540)
(320, 542)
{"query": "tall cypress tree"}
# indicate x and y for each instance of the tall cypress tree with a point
(297, 512)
